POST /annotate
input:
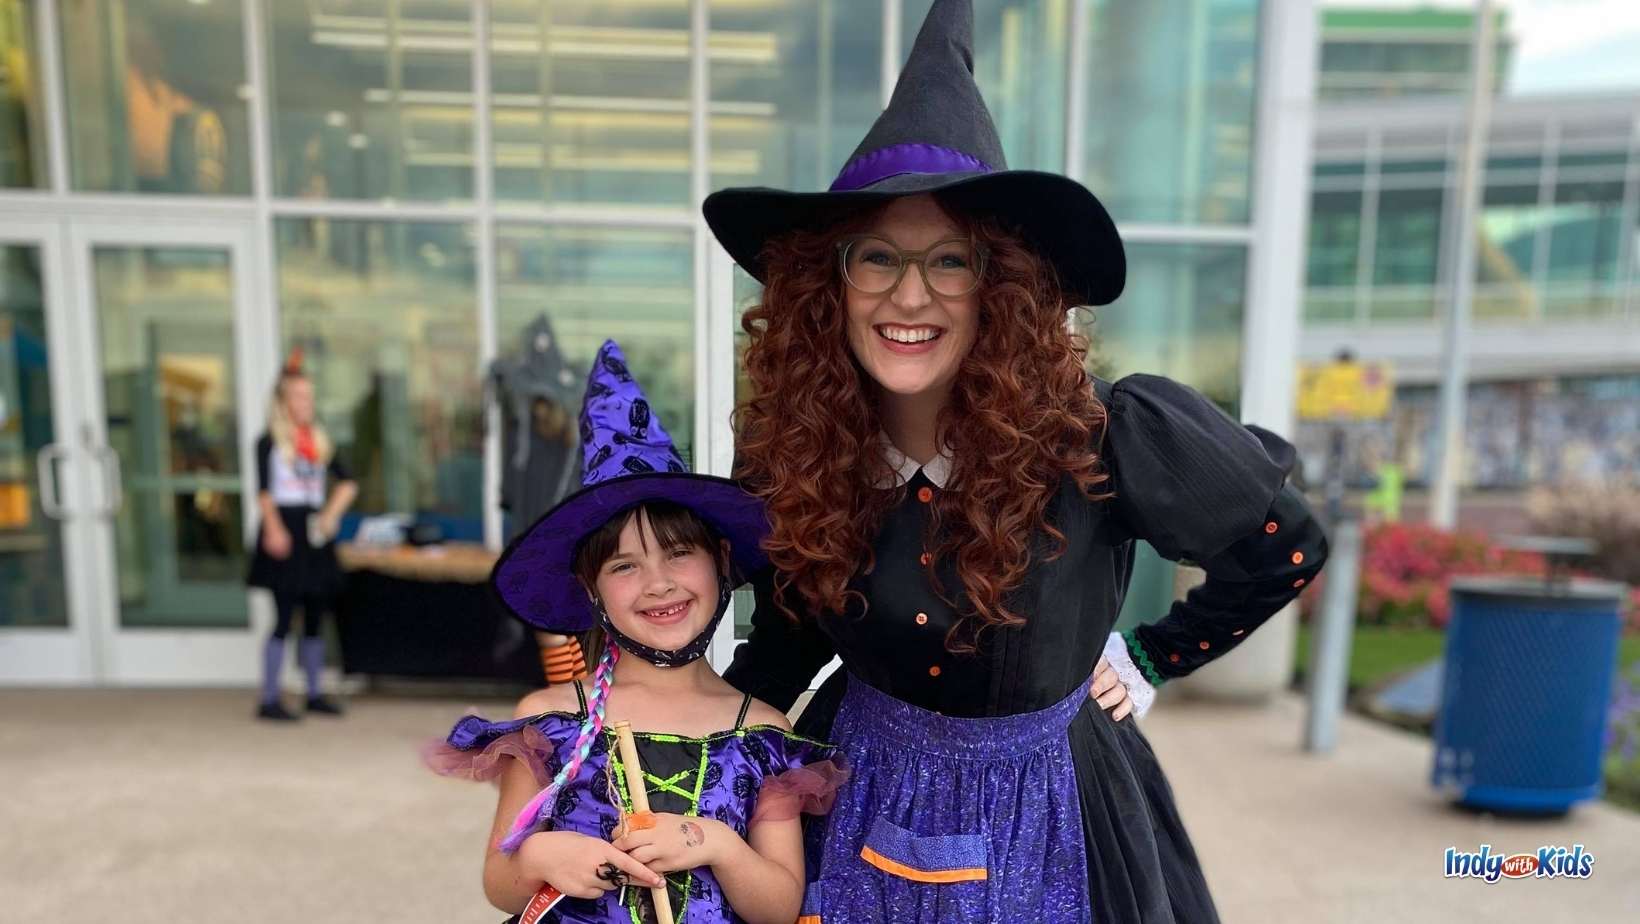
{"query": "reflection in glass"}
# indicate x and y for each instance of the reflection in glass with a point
(1180, 316)
(794, 89)
(31, 541)
(1585, 247)
(1406, 250)
(593, 284)
(22, 121)
(372, 99)
(1020, 62)
(1170, 108)
(592, 100)
(1507, 230)
(167, 359)
(156, 96)
(387, 320)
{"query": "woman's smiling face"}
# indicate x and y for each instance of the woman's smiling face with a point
(910, 339)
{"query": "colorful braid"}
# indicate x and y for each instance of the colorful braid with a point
(533, 817)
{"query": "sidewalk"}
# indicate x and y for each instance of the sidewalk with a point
(168, 806)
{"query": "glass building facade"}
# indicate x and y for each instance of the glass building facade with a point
(191, 190)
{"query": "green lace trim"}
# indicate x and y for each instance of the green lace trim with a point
(1142, 659)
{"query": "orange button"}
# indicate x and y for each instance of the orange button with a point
(925, 494)
(1205, 646)
(934, 671)
(924, 559)
(1298, 558)
(1299, 583)
(1174, 658)
(1271, 527)
(922, 619)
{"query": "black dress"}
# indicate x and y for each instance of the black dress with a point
(1188, 479)
(299, 489)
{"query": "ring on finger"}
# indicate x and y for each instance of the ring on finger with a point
(612, 874)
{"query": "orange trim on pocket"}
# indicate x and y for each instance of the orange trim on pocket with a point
(971, 874)
(809, 919)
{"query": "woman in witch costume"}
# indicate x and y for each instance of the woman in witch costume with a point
(648, 553)
(954, 505)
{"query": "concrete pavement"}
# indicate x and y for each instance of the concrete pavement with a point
(173, 806)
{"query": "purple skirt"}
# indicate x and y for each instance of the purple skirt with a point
(949, 819)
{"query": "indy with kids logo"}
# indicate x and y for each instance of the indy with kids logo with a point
(1547, 863)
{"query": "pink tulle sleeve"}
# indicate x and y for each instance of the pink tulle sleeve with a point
(527, 744)
(807, 790)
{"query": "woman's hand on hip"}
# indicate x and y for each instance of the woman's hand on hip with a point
(1107, 690)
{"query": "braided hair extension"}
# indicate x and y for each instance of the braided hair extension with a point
(535, 815)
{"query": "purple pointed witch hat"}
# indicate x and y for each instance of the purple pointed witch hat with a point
(629, 459)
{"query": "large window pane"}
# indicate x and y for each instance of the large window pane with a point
(31, 540)
(1506, 231)
(387, 319)
(166, 326)
(794, 89)
(1335, 239)
(591, 101)
(22, 121)
(1020, 60)
(1585, 240)
(1406, 253)
(1170, 108)
(1180, 316)
(592, 284)
(156, 96)
(372, 99)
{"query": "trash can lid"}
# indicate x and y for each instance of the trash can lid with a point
(1537, 589)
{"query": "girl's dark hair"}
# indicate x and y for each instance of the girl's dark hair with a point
(671, 524)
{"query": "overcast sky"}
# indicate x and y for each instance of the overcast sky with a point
(1561, 45)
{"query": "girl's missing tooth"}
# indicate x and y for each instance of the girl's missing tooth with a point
(647, 553)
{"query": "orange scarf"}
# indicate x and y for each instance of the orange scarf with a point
(305, 445)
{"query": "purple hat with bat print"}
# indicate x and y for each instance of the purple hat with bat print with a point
(629, 459)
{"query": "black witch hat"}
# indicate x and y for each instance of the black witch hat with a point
(937, 136)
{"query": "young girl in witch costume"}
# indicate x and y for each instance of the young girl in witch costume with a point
(954, 505)
(648, 553)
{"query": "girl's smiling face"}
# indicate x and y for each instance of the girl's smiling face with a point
(661, 595)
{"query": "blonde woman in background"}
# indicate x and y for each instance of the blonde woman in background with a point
(302, 492)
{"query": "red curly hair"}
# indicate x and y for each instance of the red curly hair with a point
(1022, 415)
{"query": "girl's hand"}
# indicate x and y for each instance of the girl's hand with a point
(276, 539)
(1108, 692)
(571, 862)
(676, 842)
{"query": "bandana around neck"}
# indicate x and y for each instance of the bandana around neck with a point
(677, 657)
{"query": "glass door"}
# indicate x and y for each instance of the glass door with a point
(45, 635)
(170, 382)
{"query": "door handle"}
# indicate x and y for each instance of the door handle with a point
(113, 480)
(45, 471)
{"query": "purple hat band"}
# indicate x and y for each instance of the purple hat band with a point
(897, 159)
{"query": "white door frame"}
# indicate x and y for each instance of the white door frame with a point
(63, 654)
(171, 656)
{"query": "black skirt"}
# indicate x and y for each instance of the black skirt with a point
(307, 572)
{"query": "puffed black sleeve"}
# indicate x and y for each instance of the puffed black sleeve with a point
(780, 658)
(1201, 487)
(264, 462)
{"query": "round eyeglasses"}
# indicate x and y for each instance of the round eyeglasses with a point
(950, 268)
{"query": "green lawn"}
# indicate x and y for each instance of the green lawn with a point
(1378, 653)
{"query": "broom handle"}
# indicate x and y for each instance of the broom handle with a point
(640, 803)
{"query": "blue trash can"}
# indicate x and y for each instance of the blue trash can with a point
(1527, 685)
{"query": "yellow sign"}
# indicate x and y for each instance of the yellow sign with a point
(1344, 391)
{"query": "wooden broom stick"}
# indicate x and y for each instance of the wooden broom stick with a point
(639, 794)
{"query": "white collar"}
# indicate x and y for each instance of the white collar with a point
(937, 471)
